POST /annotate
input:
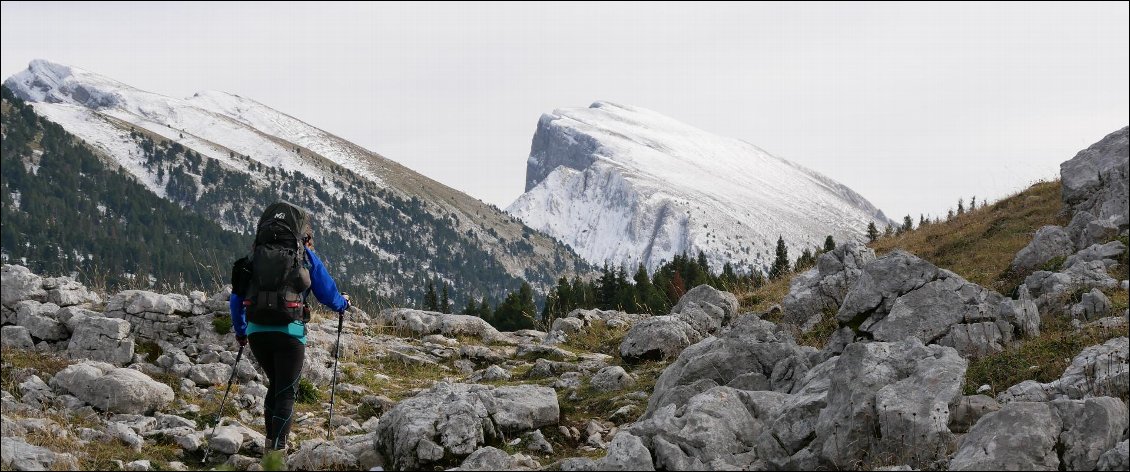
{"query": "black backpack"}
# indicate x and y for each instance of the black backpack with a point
(274, 278)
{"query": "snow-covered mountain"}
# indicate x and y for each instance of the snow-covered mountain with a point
(626, 185)
(226, 157)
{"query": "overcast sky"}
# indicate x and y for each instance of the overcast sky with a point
(912, 105)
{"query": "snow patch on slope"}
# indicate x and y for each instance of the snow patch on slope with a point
(628, 185)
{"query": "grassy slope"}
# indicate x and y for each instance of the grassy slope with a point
(979, 246)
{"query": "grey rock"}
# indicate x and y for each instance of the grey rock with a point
(17, 454)
(536, 442)
(210, 374)
(577, 464)
(546, 368)
(458, 418)
(15, 337)
(1022, 313)
(1090, 428)
(969, 410)
(569, 381)
(19, 284)
(1049, 243)
(716, 429)
(100, 339)
(1096, 180)
(1117, 458)
(706, 308)
(488, 458)
(1026, 391)
(1087, 229)
(491, 374)
(226, 440)
(1093, 306)
(39, 319)
(317, 454)
(190, 442)
(702, 311)
(656, 338)
(35, 392)
(612, 378)
(65, 291)
(1107, 253)
(877, 405)
(1052, 289)
(425, 322)
(1100, 370)
(115, 390)
(626, 452)
(1020, 436)
(750, 354)
(126, 434)
(142, 465)
(624, 414)
(901, 295)
(822, 288)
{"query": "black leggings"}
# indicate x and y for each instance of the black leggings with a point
(281, 356)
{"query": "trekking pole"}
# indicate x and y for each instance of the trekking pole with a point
(333, 387)
(220, 413)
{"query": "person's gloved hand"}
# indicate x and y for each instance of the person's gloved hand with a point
(348, 304)
(242, 340)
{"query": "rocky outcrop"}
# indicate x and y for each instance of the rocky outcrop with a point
(100, 339)
(113, 389)
(901, 295)
(423, 323)
(877, 409)
(1058, 435)
(1049, 243)
(1100, 370)
(822, 288)
(1095, 188)
(580, 320)
(750, 354)
(699, 313)
(455, 419)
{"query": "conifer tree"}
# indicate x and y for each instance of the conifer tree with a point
(472, 308)
(781, 263)
(889, 231)
(872, 232)
(907, 224)
(830, 244)
(444, 301)
(960, 207)
(430, 301)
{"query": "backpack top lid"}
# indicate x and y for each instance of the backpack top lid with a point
(281, 221)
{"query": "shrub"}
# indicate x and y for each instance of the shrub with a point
(307, 392)
(222, 324)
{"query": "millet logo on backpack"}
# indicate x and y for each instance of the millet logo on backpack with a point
(279, 216)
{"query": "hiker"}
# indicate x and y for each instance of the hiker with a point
(269, 309)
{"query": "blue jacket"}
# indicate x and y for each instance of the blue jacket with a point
(323, 286)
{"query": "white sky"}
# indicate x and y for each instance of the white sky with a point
(911, 105)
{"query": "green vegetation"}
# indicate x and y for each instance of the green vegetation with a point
(1042, 358)
(222, 324)
(308, 393)
(151, 351)
(597, 337)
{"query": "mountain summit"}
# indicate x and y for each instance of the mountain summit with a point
(386, 228)
(626, 185)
